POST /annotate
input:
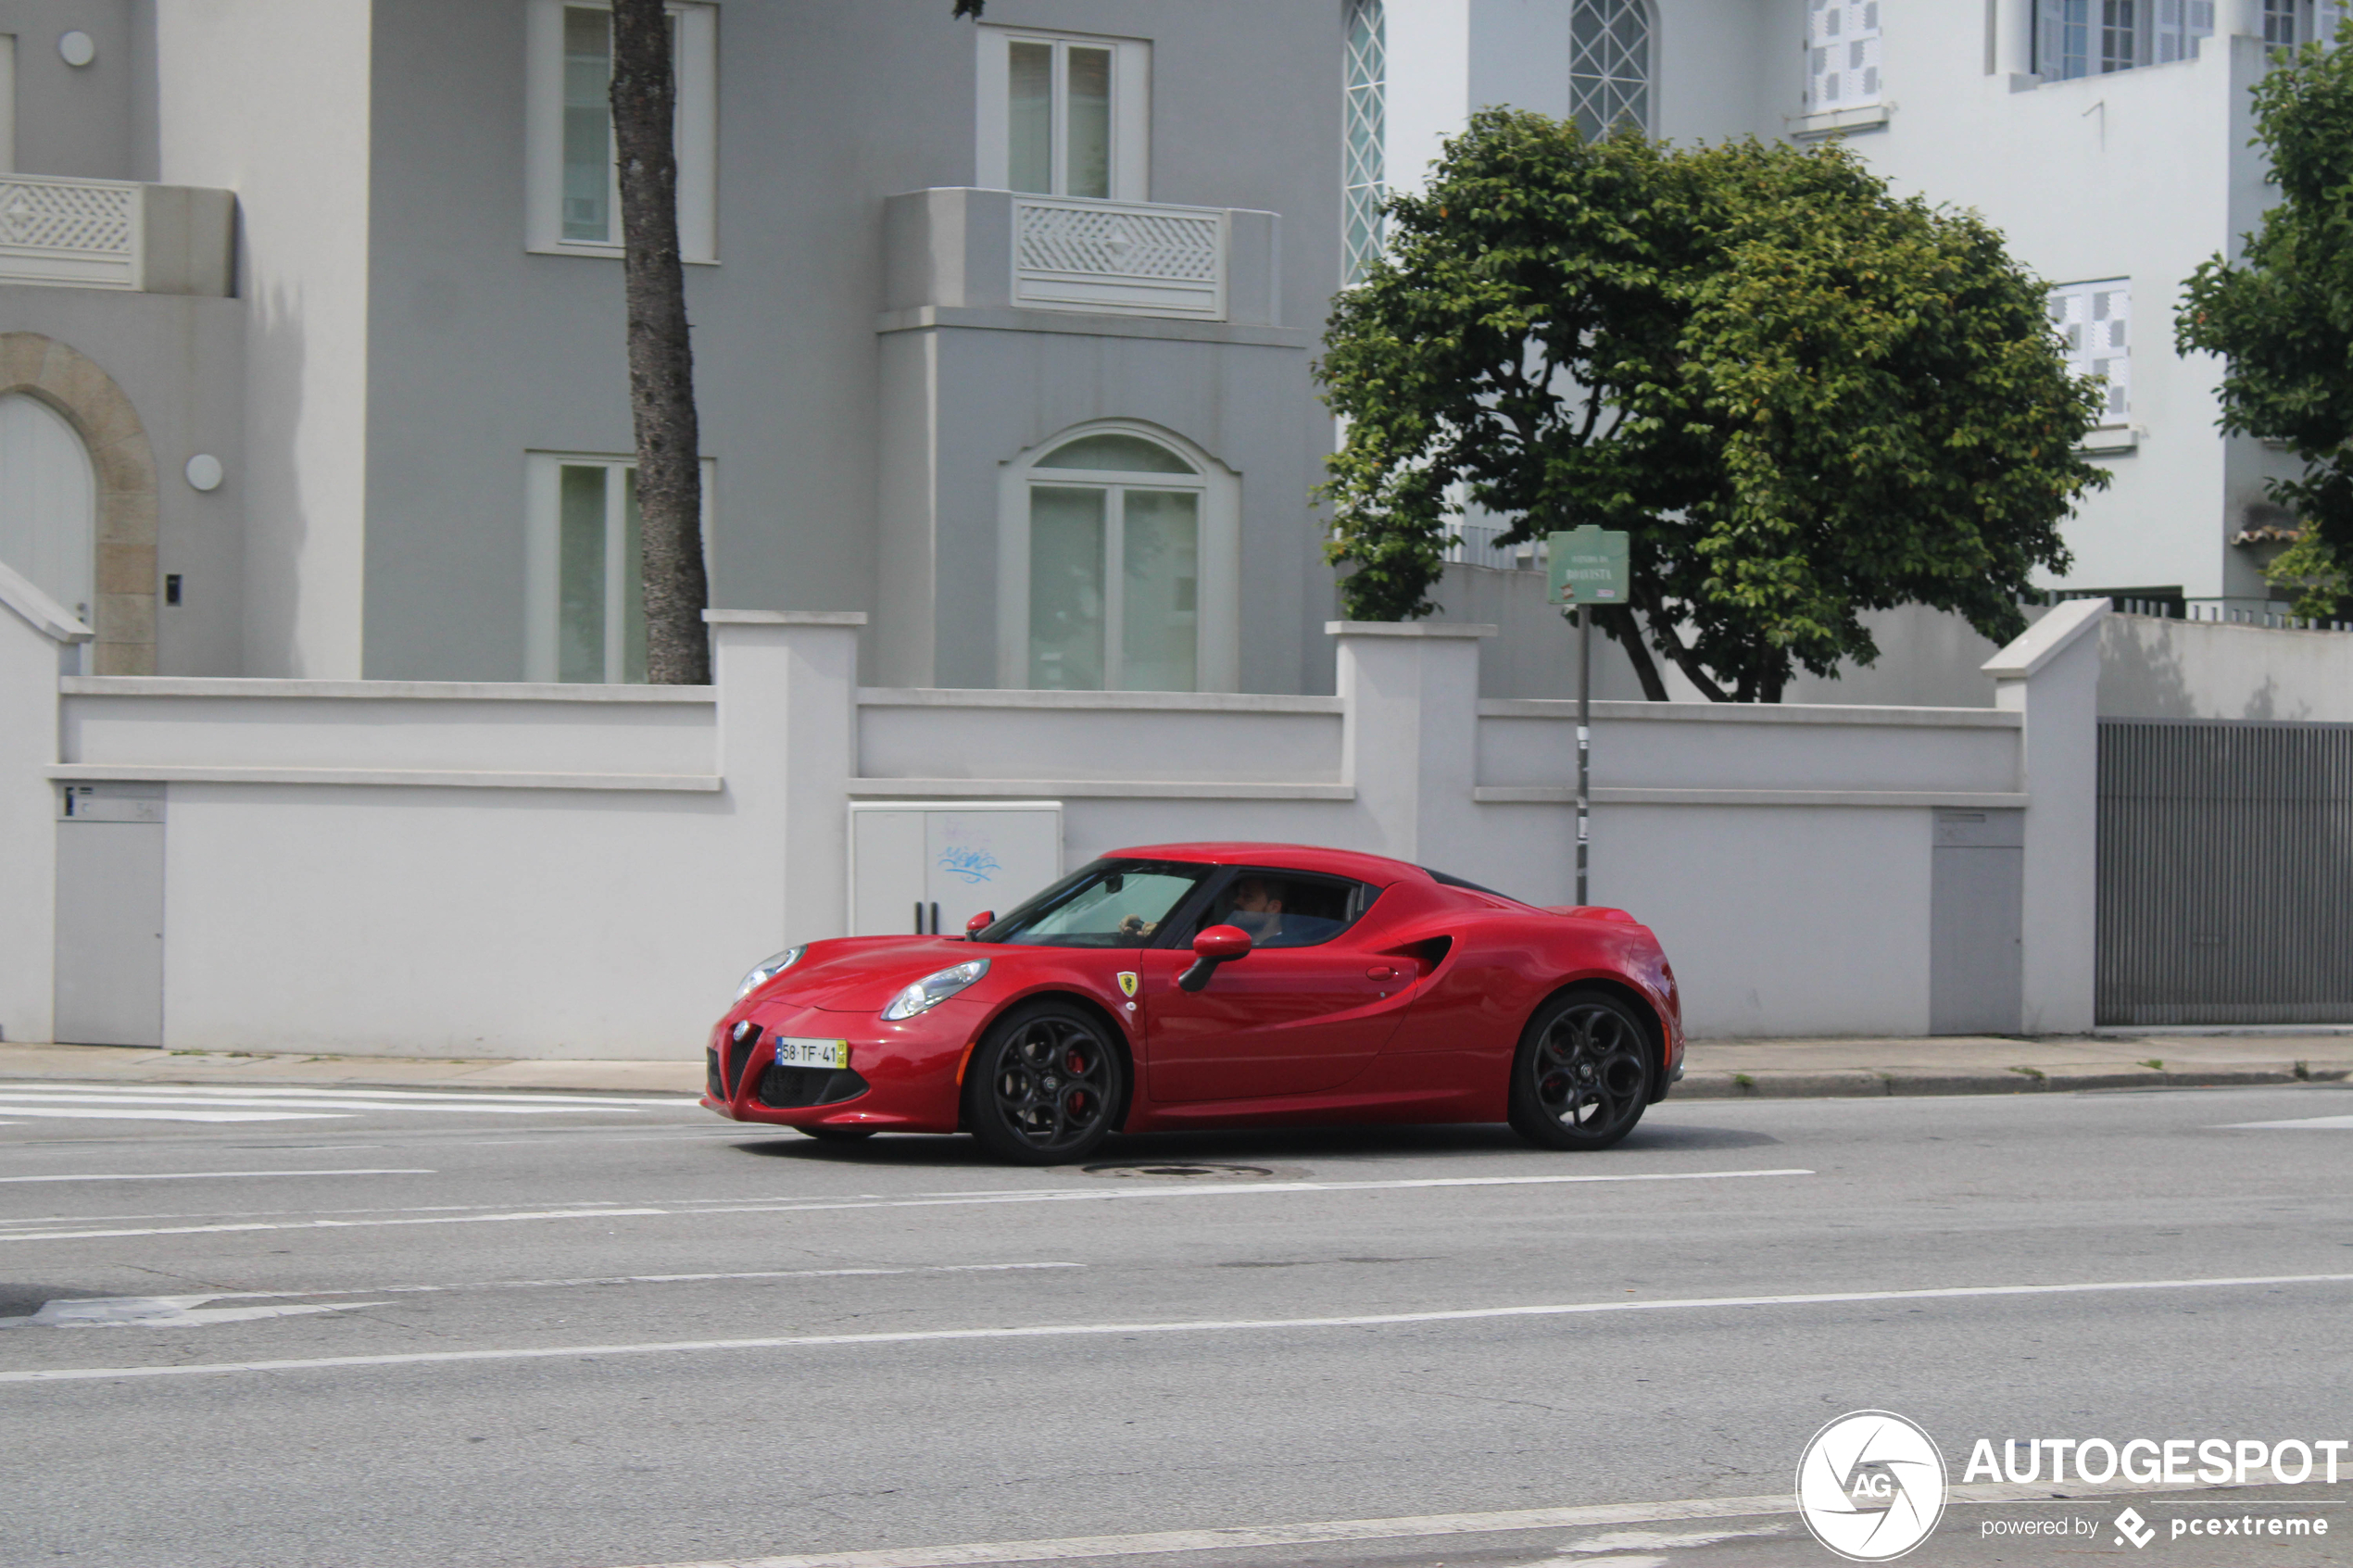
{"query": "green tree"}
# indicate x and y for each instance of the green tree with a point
(2282, 316)
(1803, 398)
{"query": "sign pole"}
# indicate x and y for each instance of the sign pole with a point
(1584, 741)
(1589, 566)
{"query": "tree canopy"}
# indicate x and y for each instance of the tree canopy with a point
(1802, 397)
(2282, 316)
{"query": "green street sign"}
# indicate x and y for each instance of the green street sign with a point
(1588, 567)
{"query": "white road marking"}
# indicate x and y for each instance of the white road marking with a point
(643, 1279)
(206, 1175)
(127, 1113)
(2319, 1124)
(796, 1205)
(332, 1225)
(274, 1091)
(1069, 1331)
(162, 1311)
(17, 1104)
(1412, 1526)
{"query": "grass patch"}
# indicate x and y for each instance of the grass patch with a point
(2155, 1064)
(2030, 1073)
(1745, 1082)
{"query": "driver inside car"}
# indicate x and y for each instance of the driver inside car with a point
(1258, 908)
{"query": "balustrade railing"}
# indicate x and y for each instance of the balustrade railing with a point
(85, 232)
(1122, 257)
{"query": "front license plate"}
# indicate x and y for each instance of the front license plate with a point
(791, 1052)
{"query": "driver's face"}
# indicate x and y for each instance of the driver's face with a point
(1253, 897)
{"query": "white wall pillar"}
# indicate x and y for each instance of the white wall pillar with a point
(1409, 735)
(2052, 675)
(37, 640)
(787, 683)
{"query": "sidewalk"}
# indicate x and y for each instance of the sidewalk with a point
(1713, 1069)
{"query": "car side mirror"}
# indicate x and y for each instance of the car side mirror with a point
(980, 923)
(1219, 943)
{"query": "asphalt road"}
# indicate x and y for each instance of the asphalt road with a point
(327, 1327)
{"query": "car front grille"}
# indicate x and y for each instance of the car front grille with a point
(785, 1089)
(739, 1056)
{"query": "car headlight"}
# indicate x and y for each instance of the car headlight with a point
(767, 970)
(934, 989)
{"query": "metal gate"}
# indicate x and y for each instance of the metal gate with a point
(2225, 872)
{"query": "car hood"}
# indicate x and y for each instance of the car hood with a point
(861, 973)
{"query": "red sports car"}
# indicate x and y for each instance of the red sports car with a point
(1213, 986)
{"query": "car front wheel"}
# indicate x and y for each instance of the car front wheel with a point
(1581, 1077)
(1044, 1085)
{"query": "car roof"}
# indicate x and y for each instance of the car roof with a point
(1376, 869)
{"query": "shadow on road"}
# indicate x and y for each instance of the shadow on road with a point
(1286, 1144)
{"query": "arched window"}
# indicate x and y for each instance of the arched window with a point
(1365, 139)
(48, 502)
(1609, 66)
(1117, 566)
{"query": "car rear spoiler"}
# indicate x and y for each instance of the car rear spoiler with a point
(1591, 911)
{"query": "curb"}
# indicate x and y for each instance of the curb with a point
(1797, 1083)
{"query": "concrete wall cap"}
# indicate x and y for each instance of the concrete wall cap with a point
(784, 617)
(2045, 640)
(45, 614)
(1405, 628)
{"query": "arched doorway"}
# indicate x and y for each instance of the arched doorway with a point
(113, 571)
(48, 502)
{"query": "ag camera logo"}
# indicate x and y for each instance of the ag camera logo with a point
(1872, 1485)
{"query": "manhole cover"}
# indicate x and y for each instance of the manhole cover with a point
(1185, 1170)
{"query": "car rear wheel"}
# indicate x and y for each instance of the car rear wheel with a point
(1044, 1085)
(1581, 1077)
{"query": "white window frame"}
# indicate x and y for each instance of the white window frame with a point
(1218, 655)
(2081, 358)
(543, 507)
(7, 102)
(1131, 109)
(697, 67)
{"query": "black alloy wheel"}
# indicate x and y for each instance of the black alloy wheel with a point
(1581, 1077)
(1044, 1085)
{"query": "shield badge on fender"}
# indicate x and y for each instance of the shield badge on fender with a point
(1128, 979)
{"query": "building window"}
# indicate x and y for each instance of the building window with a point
(575, 190)
(2290, 23)
(2093, 319)
(1364, 142)
(2076, 38)
(1117, 567)
(1609, 66)
(586, 611)
(1064, 116)
(1841, 56)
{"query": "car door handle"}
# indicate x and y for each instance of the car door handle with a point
(1383, 971)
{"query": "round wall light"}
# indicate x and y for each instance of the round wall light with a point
(76, 48)
(204, 471)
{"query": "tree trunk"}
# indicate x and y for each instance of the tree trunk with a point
(662, 360)
(1626, 632)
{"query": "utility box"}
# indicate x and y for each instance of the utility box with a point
(109, 914)
(1977, 889)
(922, 866)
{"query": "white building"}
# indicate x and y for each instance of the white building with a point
(2107, 141)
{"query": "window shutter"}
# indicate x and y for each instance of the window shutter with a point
(1842, 55)
(2180, 25)
(2326, 15)
(2094, 319)
(2050, 40)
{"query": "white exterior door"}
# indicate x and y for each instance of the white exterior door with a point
(48, 502)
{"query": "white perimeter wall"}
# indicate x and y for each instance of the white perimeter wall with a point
(536, 871)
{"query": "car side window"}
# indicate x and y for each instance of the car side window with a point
(1285, 908)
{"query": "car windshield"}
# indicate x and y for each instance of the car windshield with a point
(1109, 904)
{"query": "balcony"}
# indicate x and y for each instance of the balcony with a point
(115, 234)
(956, 247)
